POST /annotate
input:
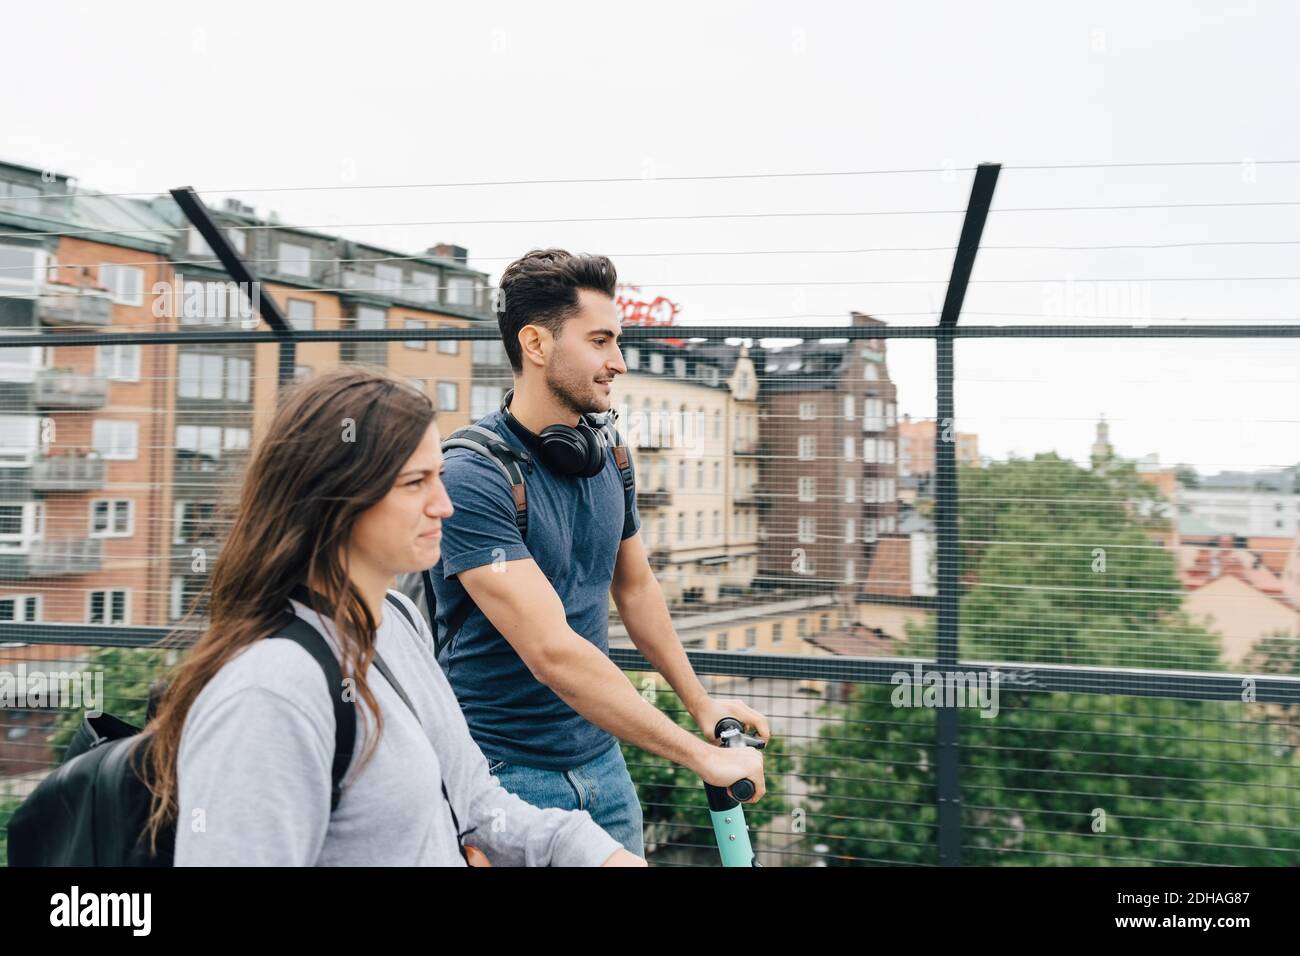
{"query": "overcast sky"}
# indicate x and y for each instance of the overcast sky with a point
(238, 96)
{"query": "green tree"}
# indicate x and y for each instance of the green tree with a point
(1060, 567)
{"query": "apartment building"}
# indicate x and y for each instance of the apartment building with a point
(112, 457)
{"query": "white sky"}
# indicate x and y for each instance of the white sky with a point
(147, 96)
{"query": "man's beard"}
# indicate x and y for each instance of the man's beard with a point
(572, 395)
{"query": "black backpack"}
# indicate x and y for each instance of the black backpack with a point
(93, 810)
(490, 445)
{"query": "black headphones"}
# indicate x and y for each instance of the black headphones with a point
(580, 451)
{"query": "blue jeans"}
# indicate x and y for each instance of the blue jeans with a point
(602, 787)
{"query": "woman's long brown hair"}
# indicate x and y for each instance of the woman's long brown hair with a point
(334, 449)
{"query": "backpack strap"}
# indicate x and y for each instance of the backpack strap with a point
(623, 459)
(382, 667)
(345, 717)
(489, 444)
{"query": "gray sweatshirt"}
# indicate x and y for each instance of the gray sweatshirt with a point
(254, 771)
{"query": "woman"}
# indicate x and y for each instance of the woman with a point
(342, 494)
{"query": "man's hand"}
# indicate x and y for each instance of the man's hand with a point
(622, 857)
(723, 766)
(710, 711)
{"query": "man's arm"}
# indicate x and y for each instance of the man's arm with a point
(640, 602)
(521, 604)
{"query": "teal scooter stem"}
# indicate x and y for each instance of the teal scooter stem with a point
(725, 802)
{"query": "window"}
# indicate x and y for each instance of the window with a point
(631, 357)
(368, 318)
(213, 303)
(848, 491)
(125, 284)
(717, 474)
(801, 628)
(293, 259)
(488, 352)
(778, 634)
(120, 363)
(873, 415)
(448, 396)
(484, 400)
(113, 518)
(807, 530)
(21, 266)
(19, 438)
(722, 641)
(192, 521)
(302, 315)
(848, 571)
(848, 448)
(235, 439)
(460, 290)
(116, 440)
(717, 423)
(717, 523)
(699, 526)
(807, 447)
(699, 474)
(238, 371)
(388, 278)
(21, 524)
(420, 345)
(888, 448)
(424, 287)
(870, 372)
(891, 415)
(657, 363)
(20, 608)
(239, 239)
(679, 367)
(849, 530)
(823, 622)
(871, 451)
(198, 441)
(681, 472)
(807, 411)
(417, 384)
(848, 406)
(111, 606)
(196, 245)
(807, 489)
(200, 376)
(681, 526)
(448, 346)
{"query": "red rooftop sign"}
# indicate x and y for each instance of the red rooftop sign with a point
(639, 311)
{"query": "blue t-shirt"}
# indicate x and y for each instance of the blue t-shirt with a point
(575, 526)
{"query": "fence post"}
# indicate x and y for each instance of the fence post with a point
(197, 213)
(947, 725)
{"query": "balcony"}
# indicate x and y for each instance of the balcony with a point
(75, 307)
(54, 557)
(66, 388)
(72, 472)
(755, 449)
(648, 498)
(744, 446)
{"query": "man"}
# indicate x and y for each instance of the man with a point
(530, 665)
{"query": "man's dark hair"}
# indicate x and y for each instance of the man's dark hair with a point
(541, 288)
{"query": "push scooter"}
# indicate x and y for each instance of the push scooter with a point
(725, 802)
